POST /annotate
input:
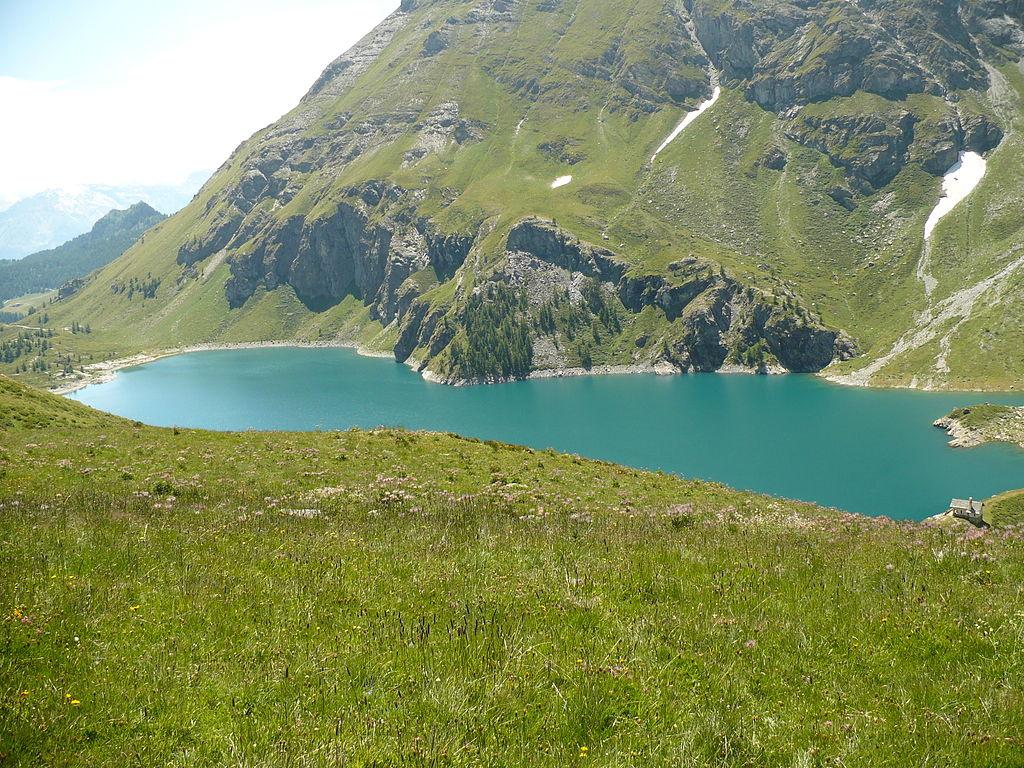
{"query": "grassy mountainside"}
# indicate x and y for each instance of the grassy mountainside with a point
(1007, 509)
(182, 596)
(111, 236)
(783, 228)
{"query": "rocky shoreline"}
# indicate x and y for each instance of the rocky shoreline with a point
(852, 380)
(977, 425)
(562, 373)
(962, 436)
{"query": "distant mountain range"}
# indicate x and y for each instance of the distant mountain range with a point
(109, 238)
(51, 218)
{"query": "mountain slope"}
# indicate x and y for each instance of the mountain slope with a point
(111, 236)
(409, 202)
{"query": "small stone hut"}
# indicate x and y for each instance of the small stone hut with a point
(970, 510)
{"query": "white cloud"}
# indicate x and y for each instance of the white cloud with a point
(183, 107)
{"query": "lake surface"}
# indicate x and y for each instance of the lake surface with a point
(869, 451)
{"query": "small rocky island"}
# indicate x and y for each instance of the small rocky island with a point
(984, 423)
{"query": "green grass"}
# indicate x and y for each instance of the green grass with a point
(174, 597)
(22, 304)
(1006, 509)
(978, 416)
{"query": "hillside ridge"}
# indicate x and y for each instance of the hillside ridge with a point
(109, 237)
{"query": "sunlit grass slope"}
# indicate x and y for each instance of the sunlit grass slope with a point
(381, 598)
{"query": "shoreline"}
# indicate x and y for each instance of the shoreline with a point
(962, 436)
(106, 371)
(103, 372)
(558, 373)
(630, 369)
(850, 380)
(1006, 426)
(662, 369)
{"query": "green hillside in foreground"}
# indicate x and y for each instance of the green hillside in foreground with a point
(381, 598)
(407, 202)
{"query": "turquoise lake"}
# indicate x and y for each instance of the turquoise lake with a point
(869, 451)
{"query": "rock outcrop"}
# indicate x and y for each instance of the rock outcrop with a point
(979, 424)
(789, 54)
(716, 315)
(871, 148)
(367, 248)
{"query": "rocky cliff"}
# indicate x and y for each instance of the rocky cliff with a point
(708, 318)
(369, 248)
(712, 316)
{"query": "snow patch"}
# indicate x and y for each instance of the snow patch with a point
(703, 107)
(561, 181)
(957, 184)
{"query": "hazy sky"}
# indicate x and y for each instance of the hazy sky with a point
(132, 91)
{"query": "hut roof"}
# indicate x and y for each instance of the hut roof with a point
(965, 505)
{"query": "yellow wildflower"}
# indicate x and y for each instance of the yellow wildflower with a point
(584, 751)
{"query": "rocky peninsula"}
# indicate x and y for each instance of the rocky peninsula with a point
(984, 423)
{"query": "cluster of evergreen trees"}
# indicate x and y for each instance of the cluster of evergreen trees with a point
(35, 344)
(497, 341)
(12, 318)
(585, 324)
(595, 313)
(26, 343)
(753, 356)
(146, 286)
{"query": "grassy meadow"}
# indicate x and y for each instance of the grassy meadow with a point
(173, 597)
(1006, 509)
